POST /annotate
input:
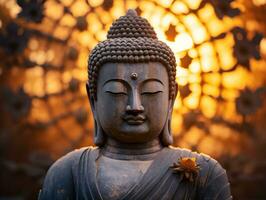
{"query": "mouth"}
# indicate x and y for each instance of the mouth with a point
(134, 120)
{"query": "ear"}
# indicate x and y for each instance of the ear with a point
(176, 92)
(172, 100)
(99, 136)
(91, 99)
(166, 135)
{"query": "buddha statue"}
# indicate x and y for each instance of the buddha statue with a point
(131, 90)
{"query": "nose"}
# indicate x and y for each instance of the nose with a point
(134, 106)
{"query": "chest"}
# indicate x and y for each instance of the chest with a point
(116, 177)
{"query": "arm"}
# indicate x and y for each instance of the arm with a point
(58, 183)
(216, 186)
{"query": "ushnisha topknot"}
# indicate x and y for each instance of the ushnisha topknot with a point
(131, 26)
(131, 39)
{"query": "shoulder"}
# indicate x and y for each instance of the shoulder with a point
(59, 178)
(207, 163)
(212, 178)
(66, 162)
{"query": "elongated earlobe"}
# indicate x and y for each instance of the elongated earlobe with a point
(166, 135)
(99, 137)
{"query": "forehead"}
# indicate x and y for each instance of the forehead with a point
(124, 71)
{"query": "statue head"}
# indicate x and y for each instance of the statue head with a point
(131, 84)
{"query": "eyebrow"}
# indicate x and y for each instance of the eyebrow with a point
(115, 79)
(152, 79)
(126, 83)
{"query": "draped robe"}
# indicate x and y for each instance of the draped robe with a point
(74, 177)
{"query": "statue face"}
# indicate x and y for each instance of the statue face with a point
(132, 100)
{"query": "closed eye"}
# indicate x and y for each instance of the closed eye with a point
(116, 93)
(151, 87)
(156, 92)
(115, 87)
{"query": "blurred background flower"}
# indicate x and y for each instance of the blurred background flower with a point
(13, 39)
(223, 8)
(245, 49)
(17, 104)
(248, 102)
(220, 109)
(31, 10)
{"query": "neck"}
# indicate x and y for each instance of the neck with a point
(135, 151)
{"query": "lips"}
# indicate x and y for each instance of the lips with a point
(134, 120)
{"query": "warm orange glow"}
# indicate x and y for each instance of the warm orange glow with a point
(54, 10)
(191, 29)
(208, 106)
(80, 7)
(220, 105)
(236, 79)
(34, 83)
(53, 80)
(200, 57)
(192, 101)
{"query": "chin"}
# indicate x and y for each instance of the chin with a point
(136, 135)
(134, 139)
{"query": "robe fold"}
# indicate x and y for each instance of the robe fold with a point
(74, 176)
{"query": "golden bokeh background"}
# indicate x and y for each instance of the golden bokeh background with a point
(220, 109)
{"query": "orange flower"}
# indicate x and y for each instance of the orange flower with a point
(187, 167)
